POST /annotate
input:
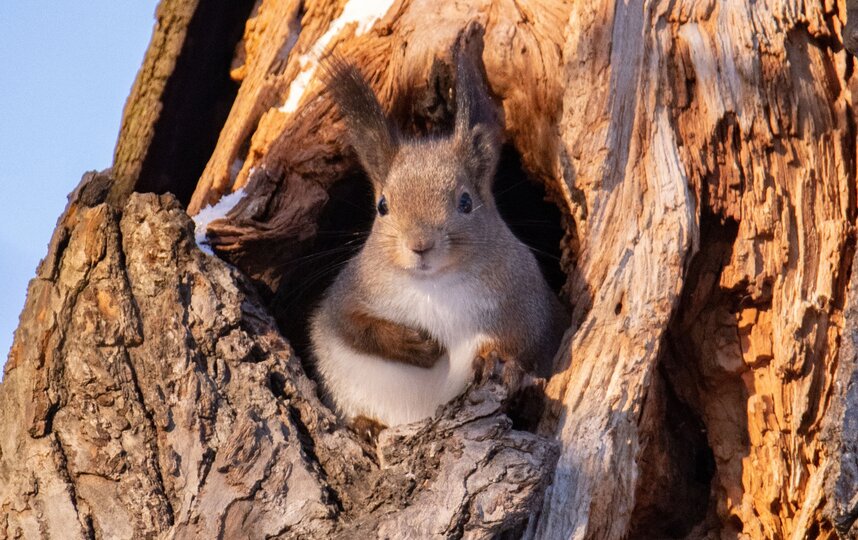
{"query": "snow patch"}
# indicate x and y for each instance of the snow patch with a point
(362, 12)
(212, 212)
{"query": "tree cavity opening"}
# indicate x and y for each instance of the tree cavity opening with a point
(346, 219)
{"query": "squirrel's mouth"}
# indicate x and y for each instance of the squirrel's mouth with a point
(424, 268)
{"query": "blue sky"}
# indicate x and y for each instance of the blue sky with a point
(67, 67)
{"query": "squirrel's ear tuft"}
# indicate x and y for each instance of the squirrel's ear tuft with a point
(373, 138)
(478, 133)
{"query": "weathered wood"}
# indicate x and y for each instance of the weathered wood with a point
(770, 153)
(262, 68)
(749, 107)
(636, 229)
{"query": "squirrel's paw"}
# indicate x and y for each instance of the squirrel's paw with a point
(421, 349)
(367, 428)
(525, 393)
(489, 365)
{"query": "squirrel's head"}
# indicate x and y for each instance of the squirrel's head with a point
(434, 205)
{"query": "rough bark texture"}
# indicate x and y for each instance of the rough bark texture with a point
(149, 394)
(850, 32)
(703, 158)
(841, 424)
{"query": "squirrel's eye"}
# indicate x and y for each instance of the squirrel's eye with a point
(465, 203)
(382, 206)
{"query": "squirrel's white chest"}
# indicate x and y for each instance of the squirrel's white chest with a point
(452, 309)
(396, 393)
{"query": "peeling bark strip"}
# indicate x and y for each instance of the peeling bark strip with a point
(149, 394)
(637, 232)
(144, 105)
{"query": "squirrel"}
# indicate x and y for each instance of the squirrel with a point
(442, 291)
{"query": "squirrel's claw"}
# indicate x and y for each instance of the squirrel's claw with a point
(367, 428)
(489, 365)
(423, 350)
(484, 366)
(525, 393)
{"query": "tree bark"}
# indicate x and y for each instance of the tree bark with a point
(703, 158)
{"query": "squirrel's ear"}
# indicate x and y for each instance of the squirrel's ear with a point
(373, 138)
(478, 133)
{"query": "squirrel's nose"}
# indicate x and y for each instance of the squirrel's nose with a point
(421, 245)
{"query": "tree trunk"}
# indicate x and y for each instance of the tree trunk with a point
(150, 394)
(702, 156)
